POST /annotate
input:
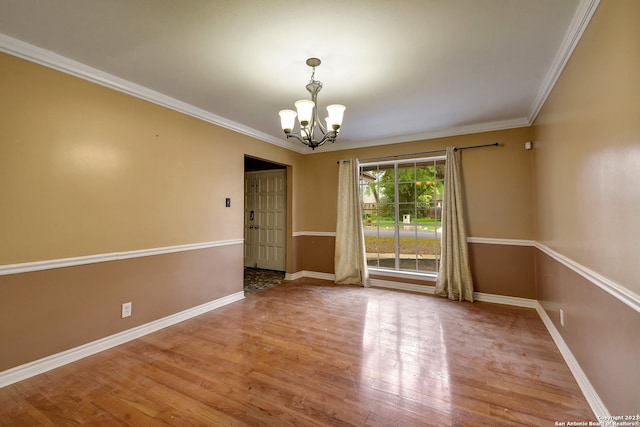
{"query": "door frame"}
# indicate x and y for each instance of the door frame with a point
(256, 164)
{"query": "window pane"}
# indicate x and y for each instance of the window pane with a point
(407, 192)
(406, 174)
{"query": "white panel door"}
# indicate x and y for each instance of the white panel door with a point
(265, 219)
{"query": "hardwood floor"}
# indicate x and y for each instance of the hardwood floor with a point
(312, 353)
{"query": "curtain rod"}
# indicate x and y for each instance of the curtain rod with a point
(495, 144)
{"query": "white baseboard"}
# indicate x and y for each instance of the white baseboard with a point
(311, 274)
(314, 233)
(590, 394)
(31, 369)
(505, 300)
(389, 284)
(478, 296)
(48, 363)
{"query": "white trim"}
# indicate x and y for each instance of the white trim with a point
(429, 277)
(311, 274)
(314, 233)
(581, 18)
(486, 240)
(411, 287)
(404, 161)
(92, 259)
(509, 242)
(579, 23)
(477, 296)
(505, 300)
(37, 367)
(440, 133)
(590, 394)
(32, 53)
(616, 290)
(294, 276)
(57, 62)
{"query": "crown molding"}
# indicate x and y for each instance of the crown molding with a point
(52, 60)
(61, 63)
(441, 133)
(579, 23)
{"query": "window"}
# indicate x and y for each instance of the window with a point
(402, 211)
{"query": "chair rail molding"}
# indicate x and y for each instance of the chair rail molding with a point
(26, 267)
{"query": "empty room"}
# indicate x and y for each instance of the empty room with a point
(363, 213)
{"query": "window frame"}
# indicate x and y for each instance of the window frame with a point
(396, 271)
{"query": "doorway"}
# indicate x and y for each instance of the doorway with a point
(265, 208)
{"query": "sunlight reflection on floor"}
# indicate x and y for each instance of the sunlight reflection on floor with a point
(397, 362)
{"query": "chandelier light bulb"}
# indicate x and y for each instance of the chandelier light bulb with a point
(305, 111)
(287, 120)
(336, 114)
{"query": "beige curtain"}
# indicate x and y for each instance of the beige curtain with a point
(454, 279)
(350, 256)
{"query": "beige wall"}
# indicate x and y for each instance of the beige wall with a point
(88, 170)
(497, 182)
(46, 312)
(499, 201)
(587, 180)
(587, 149)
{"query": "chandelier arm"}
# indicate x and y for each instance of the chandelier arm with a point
(298, 137)
(322, 128)
(308, 142)
(329, 136)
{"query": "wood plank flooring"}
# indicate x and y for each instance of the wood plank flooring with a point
(311, 353)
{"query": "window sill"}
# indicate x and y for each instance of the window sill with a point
(431, 277)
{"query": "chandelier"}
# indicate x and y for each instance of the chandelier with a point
(308, 116)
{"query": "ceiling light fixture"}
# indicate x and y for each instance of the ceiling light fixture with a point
(308, 116)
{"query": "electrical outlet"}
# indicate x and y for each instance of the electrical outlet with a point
(126, 309)
(561, 317)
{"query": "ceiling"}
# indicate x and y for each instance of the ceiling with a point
(406, 70)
